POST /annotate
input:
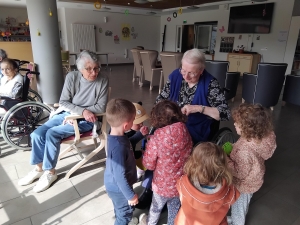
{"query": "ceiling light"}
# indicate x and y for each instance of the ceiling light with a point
(141, 1)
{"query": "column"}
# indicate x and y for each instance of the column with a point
(44, 32)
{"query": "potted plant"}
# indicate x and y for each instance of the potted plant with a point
(241, 48)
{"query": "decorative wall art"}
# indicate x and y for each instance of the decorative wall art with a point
(116, 39)
(222, 29)
(100, 30)
(108, 33)
(134, 35)
(125, 32)
(169, 19)
(226, 44)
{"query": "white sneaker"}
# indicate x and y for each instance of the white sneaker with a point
(133, 221)
(143, 219)
(30, 177)
(45, 181)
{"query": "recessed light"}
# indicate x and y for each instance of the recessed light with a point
(128, 3)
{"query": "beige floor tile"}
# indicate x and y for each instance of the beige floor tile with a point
(11, 190)
(89, 181)
(15, 158)
(27, 221)
(33, 203)
(8, 173)
(76, 212)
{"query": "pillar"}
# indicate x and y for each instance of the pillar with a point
(44, 32)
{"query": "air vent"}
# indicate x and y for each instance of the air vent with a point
(151, 13)
(193, 7)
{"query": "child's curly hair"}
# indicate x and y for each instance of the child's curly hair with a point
(166, 113)
(208, 164)
(255, 121)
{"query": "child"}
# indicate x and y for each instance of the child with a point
(256, 144)
(120, 172)
(166, 153)
(205, 190)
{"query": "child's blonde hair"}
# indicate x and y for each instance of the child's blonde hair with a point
(166, 113)
(254, 121)
(119, 111)
(207, 164)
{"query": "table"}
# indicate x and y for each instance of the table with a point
(97, 53)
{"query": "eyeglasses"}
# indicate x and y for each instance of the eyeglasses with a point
(5, 69)
(184, 73)
(89, 69)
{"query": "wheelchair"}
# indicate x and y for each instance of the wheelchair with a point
(20, 117)
(220, 136)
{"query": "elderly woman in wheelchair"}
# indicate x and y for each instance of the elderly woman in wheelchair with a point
(84, 93)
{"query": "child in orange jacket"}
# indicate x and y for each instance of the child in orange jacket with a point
(205, 190)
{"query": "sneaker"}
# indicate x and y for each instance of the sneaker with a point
(133, 221)
(143, 219)
(30, 177)
(45, 181)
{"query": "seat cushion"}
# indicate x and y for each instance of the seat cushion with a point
(85, 134)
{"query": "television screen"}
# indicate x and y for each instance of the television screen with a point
(254, 18)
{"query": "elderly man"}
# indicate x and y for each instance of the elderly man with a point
(84, 93)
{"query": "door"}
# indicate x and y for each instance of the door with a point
(233, 63)
(178, 38)
(244, 65)
(203, 37)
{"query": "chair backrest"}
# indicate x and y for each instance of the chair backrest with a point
(137, 61)
(149, 58)
(65, 56)
(218, 69)
(269, 82)
(170, 61)
(26, 83)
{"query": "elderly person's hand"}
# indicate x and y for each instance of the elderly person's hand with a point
(188, 109)
(89, 116)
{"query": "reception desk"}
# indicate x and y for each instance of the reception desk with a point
(18, 50)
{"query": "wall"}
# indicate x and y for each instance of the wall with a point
(147, 28)
(275, 50)
(292, 42)
(20, 14)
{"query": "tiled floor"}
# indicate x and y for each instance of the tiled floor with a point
(82, 198)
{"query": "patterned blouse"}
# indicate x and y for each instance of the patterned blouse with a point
(215, 96)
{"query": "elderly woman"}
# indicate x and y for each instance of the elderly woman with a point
(198, 94)
(200, 97)
(84, 93)
(11, 82)
(3, 55)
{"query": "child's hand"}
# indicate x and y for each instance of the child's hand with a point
(144, 130)
(134, 200)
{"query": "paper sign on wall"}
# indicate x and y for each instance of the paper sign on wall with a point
(282, 36)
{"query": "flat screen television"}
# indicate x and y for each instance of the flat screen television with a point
(256, 18)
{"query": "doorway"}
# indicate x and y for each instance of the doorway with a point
(296, 61)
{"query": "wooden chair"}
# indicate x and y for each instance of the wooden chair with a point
(74, 141)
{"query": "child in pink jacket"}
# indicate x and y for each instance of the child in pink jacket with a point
(166, 153)
(247, 159)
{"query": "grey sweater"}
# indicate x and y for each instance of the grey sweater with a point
(79, 94)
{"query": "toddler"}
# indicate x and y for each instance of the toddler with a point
(256, 144)
(166, 153)
(205, 190)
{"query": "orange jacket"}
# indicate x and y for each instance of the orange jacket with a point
(198, 208)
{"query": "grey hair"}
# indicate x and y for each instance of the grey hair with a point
(3, 54)
(84, 57)
(194, 56)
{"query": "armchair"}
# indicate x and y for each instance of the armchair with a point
(228, 80)
(151, 73)
(291, 93)
(265, 86)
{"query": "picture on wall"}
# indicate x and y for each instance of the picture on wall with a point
(125, 32)
(226, 44)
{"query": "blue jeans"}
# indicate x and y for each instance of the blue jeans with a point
(123, 211)
(46, 139)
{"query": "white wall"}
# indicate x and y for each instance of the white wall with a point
(275, 52)
(292, 42)
(147, 28)
(20, 14)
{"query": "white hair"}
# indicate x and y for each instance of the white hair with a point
(194, 56)
(84, 57)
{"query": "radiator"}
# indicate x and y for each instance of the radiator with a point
(84, 37)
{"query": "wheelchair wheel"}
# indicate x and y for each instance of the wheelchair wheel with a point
(34, 95)
(21, 120)
(224, 135)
